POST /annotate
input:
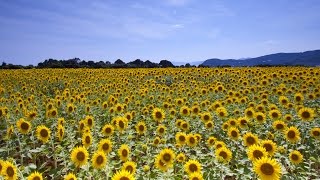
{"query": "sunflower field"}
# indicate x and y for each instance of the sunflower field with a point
(165, 123)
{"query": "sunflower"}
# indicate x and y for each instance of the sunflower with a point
(181, 138)
(206, 116)
(185, 126)
(192, 140)
(249, 112)
(160, 164)
(43, 133)
(161, 130)
(123, 175)
(298, 98)
(295, 157)
(60, 132)
(158, 114)
(86, 139)
(167, 156)
(124, 152)
(121, 123)
(222, 112)
(250, 139)
(219, 144)
(209, 125)
(195, 176)
(141, 127)
(52, 113)
(130, 166)
(35, 176)
(279, 125)
(288, 117)
(233, 122)
(211, 141)
(256, 152)
(267, 169)
(23, 126)
(260, 117)
(82, 125)
(181, 157)
(306, 114)
(70, 108)
(89, 121)
(185, 111)
(225, 126)
(234, 133)
(99, 160)
(270, 146)
(119, 108)
(223, 154)
(195, 109)
(107, 130)
(192, 166)
(283, 100)
(105, 145)
(70, 176)
(156, 141)
(61, 121)
(275, 114)
(9, 171)
(315, 132)
(79, 156)
(292, 134)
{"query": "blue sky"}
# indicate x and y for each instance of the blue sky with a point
(178, 30)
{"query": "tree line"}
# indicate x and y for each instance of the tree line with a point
(78, 63)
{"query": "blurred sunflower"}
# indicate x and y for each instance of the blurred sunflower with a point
(158, 114)
(9, 171)
(270, 146)
(195, 176)
(107, 130)
(181, 138)
(86, 139)
(234, 133)
(141, 127)
(315, 133)
(306, 114)
(250, 139)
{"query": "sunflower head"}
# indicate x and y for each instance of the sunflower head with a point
(192, 166)
(107, 130)
(99, 160)
(70, 176)
(35, 176)
(9, 171)
(158, 114)
(315, 133)
(306, 114)
(256, 152)
(234, 133)
(124, 152)
(123, 175)
(292, 134)
(295, 157)
(79, 156)
(223, 154)
(43, 133)
(267, 168)
(250, 139)
(24, 126)
(105, 145)
(130, 166)
(141, 127)
(167, 156)
(269, 146)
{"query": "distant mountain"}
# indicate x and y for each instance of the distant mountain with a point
(179, 63)
(308, 58)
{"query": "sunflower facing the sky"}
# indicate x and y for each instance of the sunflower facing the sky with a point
(192, 166)
(79, 156)
(43, 133)
(267, 169)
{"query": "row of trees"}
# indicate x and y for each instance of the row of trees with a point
(78, 63)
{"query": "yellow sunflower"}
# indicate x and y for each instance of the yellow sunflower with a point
(86, 139)
(181, 157)
(306, 114)
(130, 166)
(267, 169)
(161, 130)
(167, 156)
(158, 114)
(23, 126)
(250, 139)
(295, 157)
(79, 156)
(298, 98)
(35, 176)
(156, 141)
(256, 152)
(260, 117)
(141, 127)
(124, 152)
(292, 134)
(223, 154)
(105, 145)
(160, 164)
(43, 133)
(107, 130)
(192, 140)
(192, 166)
(121, 123)
(123, 175)
(270, 146)
(279, 125)
(181, 138)
(275, 114)
(209, 125)
(211, 141)
(315, 133)
(99, 160)
(222, 112)
(185, 111)
(234, 133)
(219, 144)
(89, 120)
(9, 171)
(249, 112)
(60, 132)
(206, 116)
(195, 176)
(70, 176)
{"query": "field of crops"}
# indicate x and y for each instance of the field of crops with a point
(179, 123)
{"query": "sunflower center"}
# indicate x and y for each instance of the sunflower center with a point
(141, 128)
(291, 134)
(119, 108)
(279, 126)
(24, 126)
(249, 113)
(89, 122)
(121, 124)
(306, 114)
(259, 118)
(218, 146)
(185, 125)
(268, 147)
(80, 156)
(206, 117)
(193, 167)
(195, 110)
(195, 178)
(10, 172)
(298, 98)
(251, 140)
(158, 115)
(44, 133)
(36, 178)
(243, 122)
(107, 130)
(70, 109)
(182, 138)
(257, 154)
(124, 178)
(124, 153)
(61, 132)
(129, 168)
(161, 130)
(192, 140)
(316, 133)
(221, 113)
(267, 169)
(234, 134)
(99, 160)
(223, 154)
(209, 125)
(105, 146)
(88, 139)
(167, 157)
(53, 113)
(294, 157)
